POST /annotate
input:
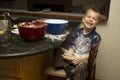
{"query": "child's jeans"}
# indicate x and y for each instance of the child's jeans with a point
(69, 71)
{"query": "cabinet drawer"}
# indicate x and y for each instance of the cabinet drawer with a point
(10, 67)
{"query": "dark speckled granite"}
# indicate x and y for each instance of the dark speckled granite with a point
(15, 46)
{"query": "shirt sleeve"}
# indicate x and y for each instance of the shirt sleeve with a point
(96, 39)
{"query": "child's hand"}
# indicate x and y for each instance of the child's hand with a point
(76, 60)
(68, 56)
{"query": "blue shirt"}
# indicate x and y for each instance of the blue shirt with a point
(81, 43)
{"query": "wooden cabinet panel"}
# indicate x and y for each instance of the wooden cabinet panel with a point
(24, 68)
(10, 68)
(4, 78)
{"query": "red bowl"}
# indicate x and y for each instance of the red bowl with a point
(32, 31)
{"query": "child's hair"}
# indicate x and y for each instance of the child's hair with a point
(95, 10)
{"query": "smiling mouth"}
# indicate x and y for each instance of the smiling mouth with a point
(90, 24)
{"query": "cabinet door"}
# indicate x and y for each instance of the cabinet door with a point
(10, 68)
(3, 78)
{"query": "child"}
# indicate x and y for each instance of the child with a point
(75, 58)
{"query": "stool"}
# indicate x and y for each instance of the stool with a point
(53, 74)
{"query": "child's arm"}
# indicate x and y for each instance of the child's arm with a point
(68, 54)
(71, 51)
(76, 60)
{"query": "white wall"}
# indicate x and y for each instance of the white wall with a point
(108, 65)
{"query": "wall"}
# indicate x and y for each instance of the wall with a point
(108, 65)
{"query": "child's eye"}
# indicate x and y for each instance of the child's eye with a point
(95, 19)
(88, 16)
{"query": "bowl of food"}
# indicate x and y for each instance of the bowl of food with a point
(32, 31)
(56, 26)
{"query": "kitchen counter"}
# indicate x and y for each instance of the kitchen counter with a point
(15, 46)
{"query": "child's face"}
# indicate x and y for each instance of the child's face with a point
(91, 19)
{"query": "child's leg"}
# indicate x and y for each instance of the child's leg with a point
(81, 71)
(69, 72)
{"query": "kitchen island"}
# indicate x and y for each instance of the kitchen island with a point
(20, 60)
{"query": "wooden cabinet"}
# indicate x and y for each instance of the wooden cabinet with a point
(10, 68)
(24, 68)
(4, 78)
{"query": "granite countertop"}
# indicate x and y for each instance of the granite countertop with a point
(15, 46)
